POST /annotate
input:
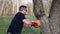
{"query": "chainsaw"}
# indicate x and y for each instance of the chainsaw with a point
(36, 23)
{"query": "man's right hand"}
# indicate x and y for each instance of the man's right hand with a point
(27, 23)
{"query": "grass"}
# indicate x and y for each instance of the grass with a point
(5, 22)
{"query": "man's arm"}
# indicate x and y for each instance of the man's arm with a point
(27, 23)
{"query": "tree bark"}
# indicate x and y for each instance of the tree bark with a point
(39, 13)
(50, 24)
(37, 8)
(54, 19)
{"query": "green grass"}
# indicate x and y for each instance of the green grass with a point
(5, 22)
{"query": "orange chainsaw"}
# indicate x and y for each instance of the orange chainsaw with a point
(36, 23)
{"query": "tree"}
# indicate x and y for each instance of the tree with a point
(1, 7)
(49, 23)
(6, 7)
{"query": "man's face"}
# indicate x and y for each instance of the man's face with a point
(25, 11)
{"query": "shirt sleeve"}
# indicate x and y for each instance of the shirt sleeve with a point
(21, 17)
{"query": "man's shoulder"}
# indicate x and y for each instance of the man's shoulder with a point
(20, 13)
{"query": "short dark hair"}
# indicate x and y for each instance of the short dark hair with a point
(22, 7)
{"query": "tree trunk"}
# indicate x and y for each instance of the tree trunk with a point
(38, 10)
(1, 7)
(54, 19)
(50, 24)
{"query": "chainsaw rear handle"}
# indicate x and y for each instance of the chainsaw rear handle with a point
(36, 23)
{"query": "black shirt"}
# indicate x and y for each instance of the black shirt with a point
(16, 24)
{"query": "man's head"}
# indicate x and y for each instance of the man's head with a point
(23, 9)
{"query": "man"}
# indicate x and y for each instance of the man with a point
(18, 21)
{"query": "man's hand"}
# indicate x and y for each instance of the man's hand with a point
(27, 23)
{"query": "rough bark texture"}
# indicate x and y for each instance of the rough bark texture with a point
(55, 17)
(49, 25)
(38, 10)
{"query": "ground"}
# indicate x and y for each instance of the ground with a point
(5, 22)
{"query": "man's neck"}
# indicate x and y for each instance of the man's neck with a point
(22, 12)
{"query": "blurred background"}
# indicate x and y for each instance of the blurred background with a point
(11, 7)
